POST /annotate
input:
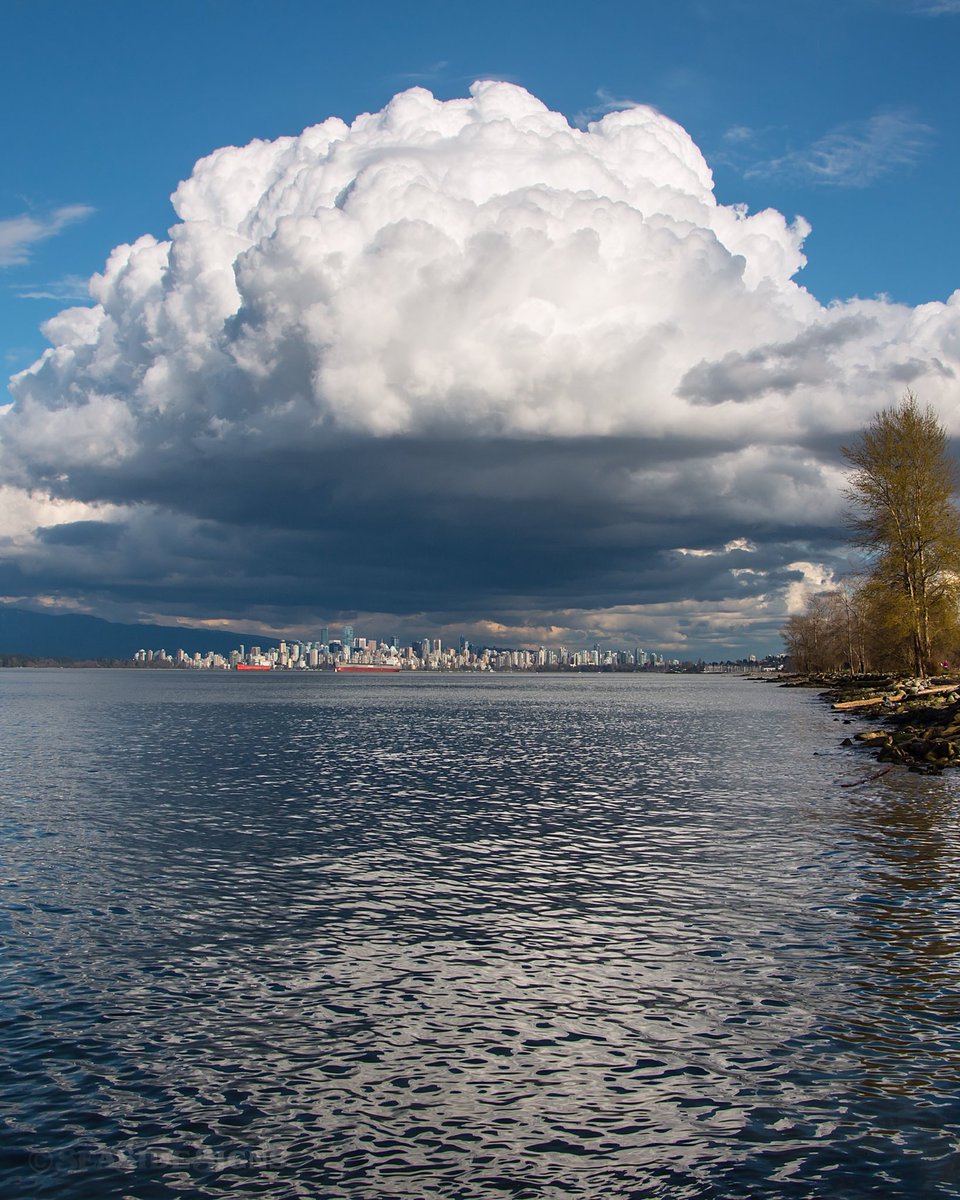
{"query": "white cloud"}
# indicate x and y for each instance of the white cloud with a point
(741, 544)
(430, 72)
(739, 133)
(606, 103)
(935, 8)
(854, 154)
(814, 577)
(70, 287)
(18, 235)
(21, 512)
(475, 265)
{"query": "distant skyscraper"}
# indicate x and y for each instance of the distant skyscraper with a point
(325, 637)
(347, 637)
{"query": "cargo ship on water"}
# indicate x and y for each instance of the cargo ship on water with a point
(254, 667)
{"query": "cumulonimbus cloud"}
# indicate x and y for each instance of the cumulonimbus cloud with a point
(461, 285)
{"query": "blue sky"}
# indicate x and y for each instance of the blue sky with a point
(843, 113)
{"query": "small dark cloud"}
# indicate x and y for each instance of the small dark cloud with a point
(92, 535)
(776, 367)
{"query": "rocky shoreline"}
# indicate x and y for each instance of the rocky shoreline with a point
(918, 720)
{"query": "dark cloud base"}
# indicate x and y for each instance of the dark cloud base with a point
(491, 530)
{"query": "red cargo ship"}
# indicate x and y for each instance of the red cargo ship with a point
(254, 667)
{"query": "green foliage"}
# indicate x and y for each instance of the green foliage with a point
(902, 514)
(903, 614)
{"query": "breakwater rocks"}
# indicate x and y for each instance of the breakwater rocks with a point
(918, 720)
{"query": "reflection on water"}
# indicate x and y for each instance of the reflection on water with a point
(453, 937)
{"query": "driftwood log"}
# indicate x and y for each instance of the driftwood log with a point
(892, 698)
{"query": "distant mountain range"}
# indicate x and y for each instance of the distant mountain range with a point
(73, 635)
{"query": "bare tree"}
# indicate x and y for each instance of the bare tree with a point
(902, 513)
(817, 639)
(849, 618)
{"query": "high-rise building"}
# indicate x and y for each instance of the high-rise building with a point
(324, 637)
(346, 637)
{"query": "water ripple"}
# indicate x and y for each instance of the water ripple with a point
(465, 938)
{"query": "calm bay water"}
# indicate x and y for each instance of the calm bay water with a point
(443, 938)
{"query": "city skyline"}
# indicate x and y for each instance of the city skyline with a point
(552, 338)
(427, 654)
